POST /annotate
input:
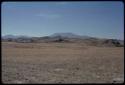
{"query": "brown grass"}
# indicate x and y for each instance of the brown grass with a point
(60, 63)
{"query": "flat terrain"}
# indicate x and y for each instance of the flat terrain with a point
(61, 63)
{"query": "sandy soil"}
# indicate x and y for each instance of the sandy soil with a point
(61, 63)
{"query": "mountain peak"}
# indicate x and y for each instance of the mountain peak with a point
(69, 35)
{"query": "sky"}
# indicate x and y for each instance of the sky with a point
(98, 18)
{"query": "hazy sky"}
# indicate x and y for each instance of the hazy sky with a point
(98, 19)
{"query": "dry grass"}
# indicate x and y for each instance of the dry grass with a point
(60, 63)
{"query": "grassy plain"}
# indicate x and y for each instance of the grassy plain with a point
(61, 63)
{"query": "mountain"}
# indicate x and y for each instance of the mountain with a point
(14, 36)
(69, 35)
(55, 35)
(9, 36)
(65, 38)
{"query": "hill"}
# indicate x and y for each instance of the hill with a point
(65, 38)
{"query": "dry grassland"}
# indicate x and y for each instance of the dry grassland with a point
(61, 63)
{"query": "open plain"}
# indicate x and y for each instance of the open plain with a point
(61, 63)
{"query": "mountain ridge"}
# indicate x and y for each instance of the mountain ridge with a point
(62, 35)
(65, 37)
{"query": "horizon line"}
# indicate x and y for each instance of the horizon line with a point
(58, 33)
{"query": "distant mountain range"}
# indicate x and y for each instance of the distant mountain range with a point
(69, 35)
(14, 36)
(65, 37)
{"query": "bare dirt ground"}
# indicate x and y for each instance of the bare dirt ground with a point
(61, 63)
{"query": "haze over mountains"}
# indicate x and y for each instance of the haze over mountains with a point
(69, 35)
(15, 36)
(65, 37)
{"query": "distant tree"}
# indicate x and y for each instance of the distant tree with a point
(60, 39)
(116, 43)
(9, 39)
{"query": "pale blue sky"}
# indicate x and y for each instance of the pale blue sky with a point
(97, 19)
